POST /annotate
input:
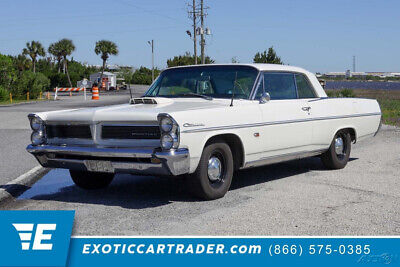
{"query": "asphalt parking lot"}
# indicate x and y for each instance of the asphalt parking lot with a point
(293, 198)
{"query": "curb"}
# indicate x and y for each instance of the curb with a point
(20, 184)
(24, 103)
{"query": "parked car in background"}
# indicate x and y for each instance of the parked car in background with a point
(206, 122)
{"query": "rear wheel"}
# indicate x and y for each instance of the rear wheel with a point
(339, 152)
(213, 175)
(91, 180)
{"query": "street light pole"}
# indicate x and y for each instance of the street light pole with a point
(152, 59)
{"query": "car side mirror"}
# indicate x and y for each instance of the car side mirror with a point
(265, 97)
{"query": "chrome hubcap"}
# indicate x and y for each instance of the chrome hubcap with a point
(339, 146)
(214, 169)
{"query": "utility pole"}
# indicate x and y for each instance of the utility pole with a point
(152, 59)
(354, 63)
(202, 42)
(194, 32)
(193, 12)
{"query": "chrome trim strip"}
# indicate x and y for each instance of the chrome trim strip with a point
(129, 124)
(92, 151)
(282, 158)
(172, 162)
(292, 147)
(278, 122)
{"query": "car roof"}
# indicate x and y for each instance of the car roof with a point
(259, 66)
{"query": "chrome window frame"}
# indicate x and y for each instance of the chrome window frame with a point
(261, 76)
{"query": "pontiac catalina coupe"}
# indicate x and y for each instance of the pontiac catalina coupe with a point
(205, 121)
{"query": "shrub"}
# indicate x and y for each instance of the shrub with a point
(7, 72)
(341, 93)
(34, 83)
(4, 94)
(347, 93)
(58, 80)
(332, 93)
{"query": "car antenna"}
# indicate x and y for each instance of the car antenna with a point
(233, 91)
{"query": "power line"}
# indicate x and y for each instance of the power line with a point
(150, 11)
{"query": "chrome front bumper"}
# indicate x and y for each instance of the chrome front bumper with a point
(114, 160)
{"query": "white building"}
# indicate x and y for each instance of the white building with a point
(360, 74)
(109, 80)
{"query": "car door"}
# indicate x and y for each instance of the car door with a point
(285, 128)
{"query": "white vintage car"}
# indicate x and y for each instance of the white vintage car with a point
(205, 121)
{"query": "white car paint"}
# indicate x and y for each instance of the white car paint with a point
(273, 129)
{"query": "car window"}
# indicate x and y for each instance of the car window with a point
(304, 88)
(215, 81)
(280, 85)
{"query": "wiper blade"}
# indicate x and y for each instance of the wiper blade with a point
(196, 95)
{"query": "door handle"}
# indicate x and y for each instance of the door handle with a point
(306, 108)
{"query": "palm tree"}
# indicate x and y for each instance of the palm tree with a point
(34, 49)
(22, 63)
(55, 50)
(105, 48)
(66, 47)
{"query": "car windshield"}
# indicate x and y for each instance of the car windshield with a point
(205, 81)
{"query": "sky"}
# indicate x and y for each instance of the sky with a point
(317, 35)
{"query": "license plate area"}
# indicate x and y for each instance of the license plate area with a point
(99, 166)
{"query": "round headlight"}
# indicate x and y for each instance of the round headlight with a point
(37, 138)
(36, 123)
(167, 141)
(166, 124)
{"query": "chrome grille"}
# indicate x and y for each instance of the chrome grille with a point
(68, 131)
(130, 132)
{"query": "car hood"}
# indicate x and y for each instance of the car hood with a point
(133, 112)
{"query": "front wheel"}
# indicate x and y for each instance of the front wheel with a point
(213, 175)
(339, 152)
(91, 180)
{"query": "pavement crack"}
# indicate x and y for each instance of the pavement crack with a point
(333, 209)
(359, 190)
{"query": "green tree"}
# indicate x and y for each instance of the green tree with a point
(126, 74)
(34, 83)
(21, 63)
(7, 72)
(269, 57)
(186, 59)
(55, 50)
(66, 47)
(143, 75)
(105, 48)
(34, 49)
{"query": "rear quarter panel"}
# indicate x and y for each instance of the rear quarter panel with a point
(333, 114)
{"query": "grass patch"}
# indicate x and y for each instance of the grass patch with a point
(389, 100)
(17, 101)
